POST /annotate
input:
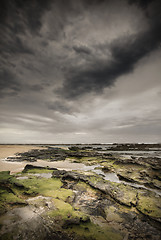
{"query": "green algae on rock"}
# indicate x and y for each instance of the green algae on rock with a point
(67, 212)
(81, 205)
(92, 231)
(10, 194)
(149, 204)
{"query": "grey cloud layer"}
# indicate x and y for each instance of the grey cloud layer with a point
(58, 57)
(95, 72)
(125, 52)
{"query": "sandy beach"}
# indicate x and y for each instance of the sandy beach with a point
(14, 167)
(11, 150)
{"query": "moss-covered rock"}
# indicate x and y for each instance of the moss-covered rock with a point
(10, 193)
(4, 176)
(80, 205)
(67, 212)
(149, 204)
(92, 231)
(47, 187)
(112, 215)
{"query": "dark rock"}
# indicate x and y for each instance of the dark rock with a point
(72, 221)
(58, 173)
(74, 148)
(107, 169)
(19, 185)
(125, 178)
(29, 167)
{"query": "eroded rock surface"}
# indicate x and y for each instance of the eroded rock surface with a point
(75, 205)
(48, 203)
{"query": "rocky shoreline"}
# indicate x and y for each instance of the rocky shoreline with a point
(49, 203)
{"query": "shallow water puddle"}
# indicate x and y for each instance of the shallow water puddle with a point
(25, 177)
(42, 175)
(69, 166)
(112, 177)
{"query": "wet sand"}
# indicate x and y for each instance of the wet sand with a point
(11, 150)
(14, 167)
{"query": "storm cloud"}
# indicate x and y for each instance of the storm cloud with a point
(124, 51)
(74, 70)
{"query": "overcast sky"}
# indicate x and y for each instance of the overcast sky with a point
(80, 71)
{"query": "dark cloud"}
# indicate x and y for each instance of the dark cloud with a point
(26, 11)
(62, 63)
(96, 72)
(18, 17)
(142, 3)
(8, 80)
(60, 106)
(14, 45)
(82, 49)
(126, 51)
(36, 87)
